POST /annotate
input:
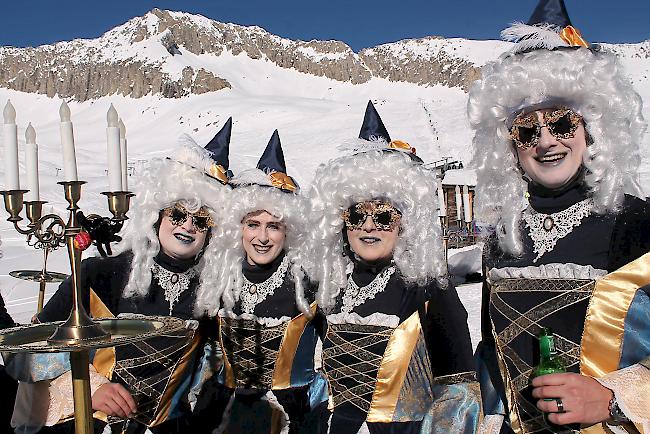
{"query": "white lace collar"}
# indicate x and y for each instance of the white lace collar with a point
(174, 284)
(354, 295)
(253, 294)
(546, 229)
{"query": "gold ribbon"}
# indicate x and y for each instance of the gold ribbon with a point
(572, 36)
(398, 144)
(287, 351)
(282, 181)
(177, 377)
(104, 360)
(602, 339)
(393, 368)
(217, 171)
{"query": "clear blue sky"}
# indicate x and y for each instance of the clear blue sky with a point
(359, 23)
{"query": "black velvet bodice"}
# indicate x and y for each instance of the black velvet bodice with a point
(107, 277)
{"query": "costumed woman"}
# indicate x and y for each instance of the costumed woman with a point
(267, 382)
(397, 351)
(556, 149)
(144, 385)
(7, 384)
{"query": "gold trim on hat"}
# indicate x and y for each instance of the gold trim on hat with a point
(282, 181)
(572, 36)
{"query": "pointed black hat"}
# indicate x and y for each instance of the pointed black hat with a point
(272, 160)
(550, 12)
(219, 146)
(373, 128)
(272, 163)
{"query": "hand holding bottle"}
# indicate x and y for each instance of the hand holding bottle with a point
(584, 399)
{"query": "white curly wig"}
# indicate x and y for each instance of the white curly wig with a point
(222, 280)
(165, 182)
(592, 84)
(387, 175)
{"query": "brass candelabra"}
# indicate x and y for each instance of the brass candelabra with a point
(79, 332)
(43, 233)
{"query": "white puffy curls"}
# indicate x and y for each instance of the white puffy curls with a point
(223, 279)
(164, 183)
(392, 176)
(591, 83)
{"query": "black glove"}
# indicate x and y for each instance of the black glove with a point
(102, 230)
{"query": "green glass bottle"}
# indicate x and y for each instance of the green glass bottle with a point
(549, 361)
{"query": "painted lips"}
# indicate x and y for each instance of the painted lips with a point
(184, 238)
(370, 240)
(551, 158)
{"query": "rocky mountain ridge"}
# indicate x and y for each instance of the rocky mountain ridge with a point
(156, 55)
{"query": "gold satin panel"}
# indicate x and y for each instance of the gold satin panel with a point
(288, 347)
(104, 360)
(602, 340)
(392, 369)
(97, 307)
(172, 383)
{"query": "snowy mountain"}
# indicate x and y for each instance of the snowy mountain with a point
(169, 73)
(156, 54)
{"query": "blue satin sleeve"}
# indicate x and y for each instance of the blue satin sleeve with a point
(636, 337)
(31, 368)
(318, 390)
(486, 358)
(456, 408)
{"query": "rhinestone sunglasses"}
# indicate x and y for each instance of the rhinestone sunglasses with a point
(383, 215)
(526, 130)
(178, 214)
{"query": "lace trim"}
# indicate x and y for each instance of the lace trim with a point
(354, 295)
(253, 294)
(546, 229)
(173, 283)
(491, 424)
(61, 400)
(546, 271)
(264, 321)
(631, 386)
(376, 319)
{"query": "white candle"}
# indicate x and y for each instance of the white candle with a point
(10, 139)
(459, 204)
(466, 205)
(113, 151)
(442, 206)
(67, 142)
(31, 164)
(125, 169)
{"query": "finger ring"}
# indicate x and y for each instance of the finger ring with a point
(560, 405)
